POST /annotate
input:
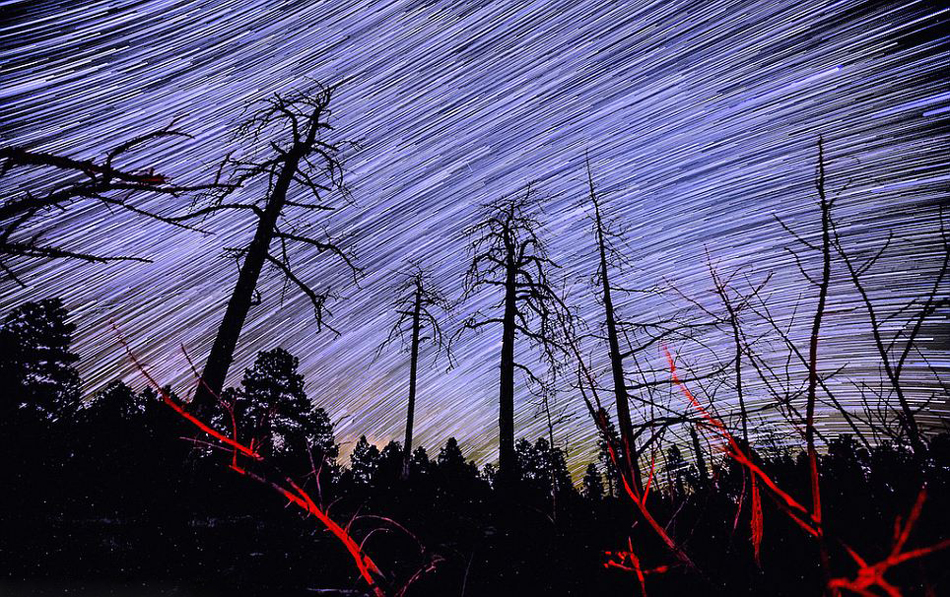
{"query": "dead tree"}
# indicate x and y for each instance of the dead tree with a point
(82, 181)
(630, 455)
(779, 381)
(733, 312)
(507, 253)
(895, 351)
(293, 126)
(825, 204)
(416, 294)
(586, 381)
(637, 337)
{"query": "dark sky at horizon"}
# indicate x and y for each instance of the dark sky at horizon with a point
(700, 119)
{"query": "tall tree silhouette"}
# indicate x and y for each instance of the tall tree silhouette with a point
(627, 437)
(507, 253)
(822, 283)
(294, 126)
(104, 181)
(416, 294)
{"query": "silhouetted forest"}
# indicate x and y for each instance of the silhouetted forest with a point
(214, 490)
(118, 492)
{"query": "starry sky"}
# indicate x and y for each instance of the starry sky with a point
(700, 120)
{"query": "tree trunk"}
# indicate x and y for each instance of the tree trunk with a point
(506, 394)
(813, 359)
(630, 455)
(813, 343)
(700, 459)
(734, 321)
(413, 362)
(222, 352)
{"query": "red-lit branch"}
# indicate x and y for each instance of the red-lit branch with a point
(640, 500)
(627, 560)
(790, 505)
(291, 491)
(167, 399)
(869, 575)
(600, 417)
(872, 575)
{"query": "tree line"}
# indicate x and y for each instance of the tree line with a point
(268, 431)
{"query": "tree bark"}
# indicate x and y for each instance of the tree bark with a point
(815, 332)
(813, 359)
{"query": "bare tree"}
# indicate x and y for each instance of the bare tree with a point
(826, 204)
(632, 381)
(895, 351)
(416, 295)
(907, 319)
(779, 380)
(507, 253)
(822, 283)
(585, 382)
(294, 127)
(630, 455)
(733, 311)
(82, 181)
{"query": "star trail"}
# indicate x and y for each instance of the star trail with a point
(700, 120)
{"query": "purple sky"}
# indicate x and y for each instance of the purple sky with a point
(701, 120)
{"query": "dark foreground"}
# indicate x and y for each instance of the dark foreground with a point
(120, 495)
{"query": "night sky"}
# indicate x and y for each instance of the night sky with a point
(701, 121)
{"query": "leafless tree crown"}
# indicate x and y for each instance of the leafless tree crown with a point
(99, 181)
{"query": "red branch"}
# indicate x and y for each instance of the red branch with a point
(872, 575)
(294, 494)
(756, 521)
(627, 560)
(790, 505)
(167, 399)
(869, 575)
(640, 501)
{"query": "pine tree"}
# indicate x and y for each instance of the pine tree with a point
(40, 383)
(272, 408)
(593, 483)
(363, 461)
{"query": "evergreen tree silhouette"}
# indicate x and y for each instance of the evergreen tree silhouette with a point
(363, 462)
(272, 408)
(593, 483)
(37, 373)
